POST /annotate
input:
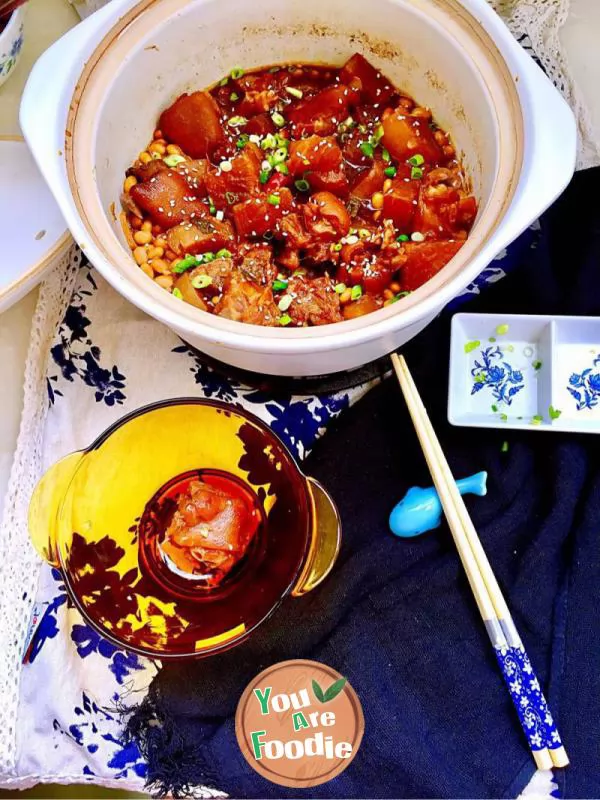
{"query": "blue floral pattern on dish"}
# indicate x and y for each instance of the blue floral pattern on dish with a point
(8, 60)
(498, 375)
(585, 386)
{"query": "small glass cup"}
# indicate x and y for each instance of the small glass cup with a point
(87, 512)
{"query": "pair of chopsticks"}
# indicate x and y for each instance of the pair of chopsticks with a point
(524, 688)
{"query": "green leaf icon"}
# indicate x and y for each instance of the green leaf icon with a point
(335, 689)
(331, 693)
(318, 692)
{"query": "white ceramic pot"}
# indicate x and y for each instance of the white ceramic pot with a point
(114, 73)
(11, 43)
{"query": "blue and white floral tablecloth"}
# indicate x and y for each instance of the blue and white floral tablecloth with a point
(95, 357)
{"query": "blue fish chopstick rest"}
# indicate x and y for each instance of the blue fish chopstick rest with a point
(420, 509)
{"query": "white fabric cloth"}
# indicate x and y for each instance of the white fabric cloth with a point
(93, 359)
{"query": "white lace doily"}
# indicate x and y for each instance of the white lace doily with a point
(19, 564)
(536, 25)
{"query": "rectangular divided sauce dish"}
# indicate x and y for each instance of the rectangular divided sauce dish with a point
(527, 372)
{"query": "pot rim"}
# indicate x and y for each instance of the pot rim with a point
(476, 253)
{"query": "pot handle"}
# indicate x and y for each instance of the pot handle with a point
(45, 506)
(325, 542)
(550, 140)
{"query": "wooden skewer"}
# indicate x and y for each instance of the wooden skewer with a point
(486, 590)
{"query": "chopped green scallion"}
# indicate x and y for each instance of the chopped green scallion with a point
(273, 199)
(504, 448)
(295, 92)
(336, 247)
(399, 296)
(283, 168)
(177, 293)
(279, 155)
(502, 330)
(279, 285)
(212, 209)
(173, 160)
(554, 413)
(206, 258)
(417, 160)
(470, 346)
(537, 420)
(224, 253)
(356, 292)
(242, 141)
(377, 135)
(385, 154)
(285, 320)
(186, 263)
(504, 417)
(201, 281)
(416, 173)
(234, 96)
(269, 142)
(402, 238)
(264, 175)
(339, 288)
(278, 119)
(537, 365)
(224, 82)
(492, 339)
(302, 185)
(390, 172)
(237, 121)
(236, 73)
(367, 149)
(495, 409)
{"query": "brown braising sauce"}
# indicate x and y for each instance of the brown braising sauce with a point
(295, 196)
(198, 530)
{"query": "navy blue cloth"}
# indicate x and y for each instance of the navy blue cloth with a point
(397, 617)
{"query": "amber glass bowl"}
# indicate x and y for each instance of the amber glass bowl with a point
(87, 519)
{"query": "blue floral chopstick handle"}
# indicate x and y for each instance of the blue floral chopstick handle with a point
(527, 696)
(553, 740)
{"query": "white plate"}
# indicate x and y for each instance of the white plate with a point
(32, 230)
